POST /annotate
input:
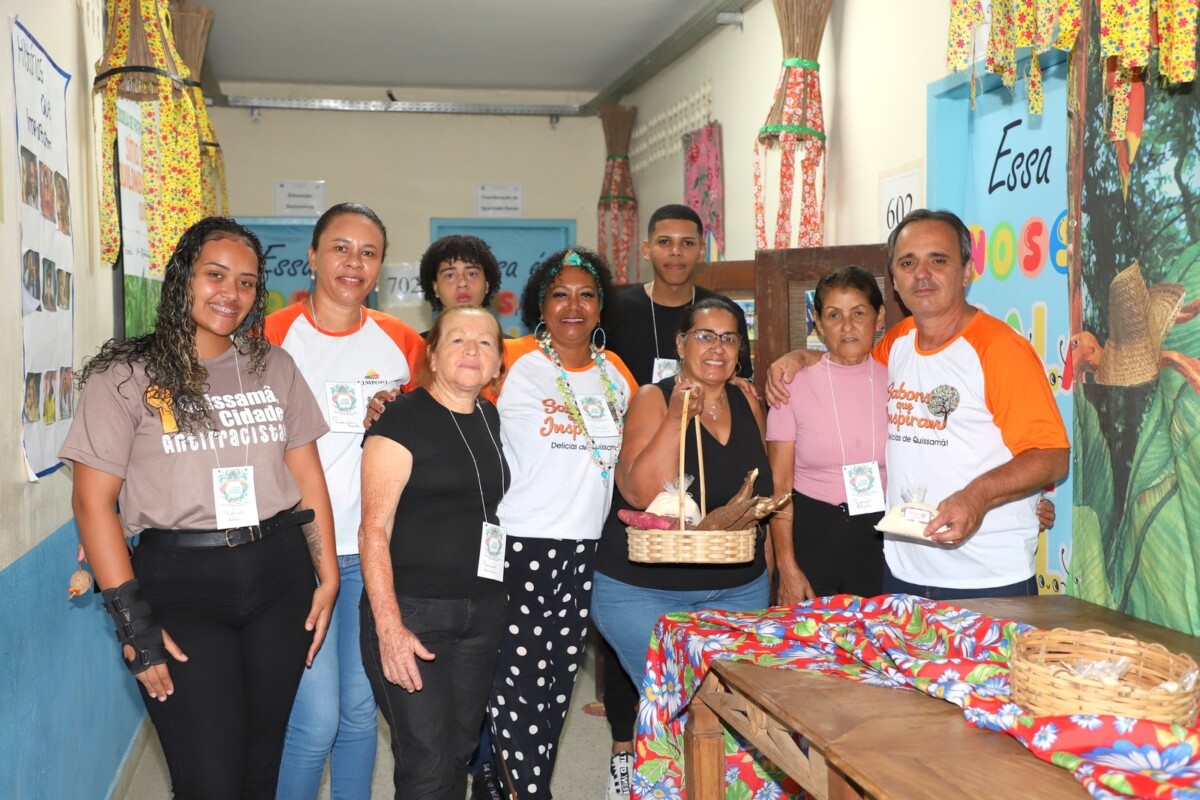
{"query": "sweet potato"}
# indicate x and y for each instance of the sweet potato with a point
(647, 521)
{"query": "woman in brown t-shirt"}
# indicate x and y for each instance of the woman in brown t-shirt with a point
(207, 436)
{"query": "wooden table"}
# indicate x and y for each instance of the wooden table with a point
(876, 742)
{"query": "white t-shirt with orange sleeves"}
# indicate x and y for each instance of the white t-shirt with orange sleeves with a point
(955, 413)
(380, 353)
(557, 491)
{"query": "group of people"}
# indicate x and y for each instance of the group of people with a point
(451, 550)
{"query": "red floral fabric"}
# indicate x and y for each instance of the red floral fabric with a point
(704, 185)
(903, 642)
(617, 216)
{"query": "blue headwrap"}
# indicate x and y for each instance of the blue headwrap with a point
(571, 259)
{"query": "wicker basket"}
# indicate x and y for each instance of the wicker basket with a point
(691, 547)
(1041, 685)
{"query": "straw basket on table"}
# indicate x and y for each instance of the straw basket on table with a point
(691, 547)
(1041, 684)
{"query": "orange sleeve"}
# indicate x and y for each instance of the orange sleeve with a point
(884, 346)
(407, 339)
(279, 323)
(616, 361)
(1017, 391)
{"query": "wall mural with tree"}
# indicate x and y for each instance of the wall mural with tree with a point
(1135, 345)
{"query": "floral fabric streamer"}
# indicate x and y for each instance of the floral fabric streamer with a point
(1127, 35)
(704, 185)
(170, 138)
(906, 643)
(617, 209)
(802, 125)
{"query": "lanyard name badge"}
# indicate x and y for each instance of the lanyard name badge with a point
(663, 367)
(864, 485)
(344, 403)
(597, 416)
(492, 537)
(233, 487)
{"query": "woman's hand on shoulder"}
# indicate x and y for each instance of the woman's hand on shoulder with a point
(377, 404)
(319, 614)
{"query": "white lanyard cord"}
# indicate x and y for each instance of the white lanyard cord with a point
(238, 366)
(836, 421)
(478, 475)
(654, 322)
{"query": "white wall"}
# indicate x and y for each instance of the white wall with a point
(410, 167)
(876, 60)
(70, 30)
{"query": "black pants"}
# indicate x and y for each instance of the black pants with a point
(620, 696)
(435, 731)
(839, 554)
(238, 615)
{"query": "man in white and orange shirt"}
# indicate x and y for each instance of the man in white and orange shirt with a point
(971, 418)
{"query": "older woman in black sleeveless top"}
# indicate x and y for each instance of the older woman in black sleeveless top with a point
(628, 598)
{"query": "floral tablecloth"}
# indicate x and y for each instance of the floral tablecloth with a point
(903, 642)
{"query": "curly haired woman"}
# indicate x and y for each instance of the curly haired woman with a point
(207, 436)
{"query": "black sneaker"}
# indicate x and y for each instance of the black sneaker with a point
(620, 769)
(485, 783)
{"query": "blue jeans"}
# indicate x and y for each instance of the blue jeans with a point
(893, 585)
(626, 615)
(334, 709)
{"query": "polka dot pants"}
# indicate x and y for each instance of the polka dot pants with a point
(549, 585)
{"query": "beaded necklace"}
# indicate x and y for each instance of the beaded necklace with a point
(568, 397)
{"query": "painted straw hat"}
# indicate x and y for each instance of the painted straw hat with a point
(1139, 318)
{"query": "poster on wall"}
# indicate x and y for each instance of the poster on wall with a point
(45, 254)
(142, 285)
(518, 245)
(1136, 352)
(1004, 171)
(285, 242)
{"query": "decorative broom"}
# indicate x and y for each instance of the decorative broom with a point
(617, 210)
(140, 63)
(795, 120)
(192, 23)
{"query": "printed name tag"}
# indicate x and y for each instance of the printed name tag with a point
(864, 488)
(233, 496)
(664, 368)
(344, 401)
(597, 417)
(491, 552)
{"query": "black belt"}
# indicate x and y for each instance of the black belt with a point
(231, 537)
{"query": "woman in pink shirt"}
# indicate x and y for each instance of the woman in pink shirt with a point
(827, 446)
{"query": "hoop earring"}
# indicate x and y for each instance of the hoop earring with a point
(539, 331)
(737, 369)
(604, 338)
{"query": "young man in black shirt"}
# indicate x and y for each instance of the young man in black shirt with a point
(645, 324)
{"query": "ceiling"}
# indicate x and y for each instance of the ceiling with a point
(577, 46)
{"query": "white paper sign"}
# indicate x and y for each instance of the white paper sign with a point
(898, 195)
(500, 200)
(43, 264)
(299, 198)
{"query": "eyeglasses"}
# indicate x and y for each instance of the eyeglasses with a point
(706, 336)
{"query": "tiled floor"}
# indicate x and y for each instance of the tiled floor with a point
(581, 773)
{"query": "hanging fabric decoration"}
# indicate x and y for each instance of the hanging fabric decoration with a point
(704, 185)
(1129, 30)
(140, 63)
(795, 120)
(617, 210)
(192, 22)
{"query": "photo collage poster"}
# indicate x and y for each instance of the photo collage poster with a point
(46, 251)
